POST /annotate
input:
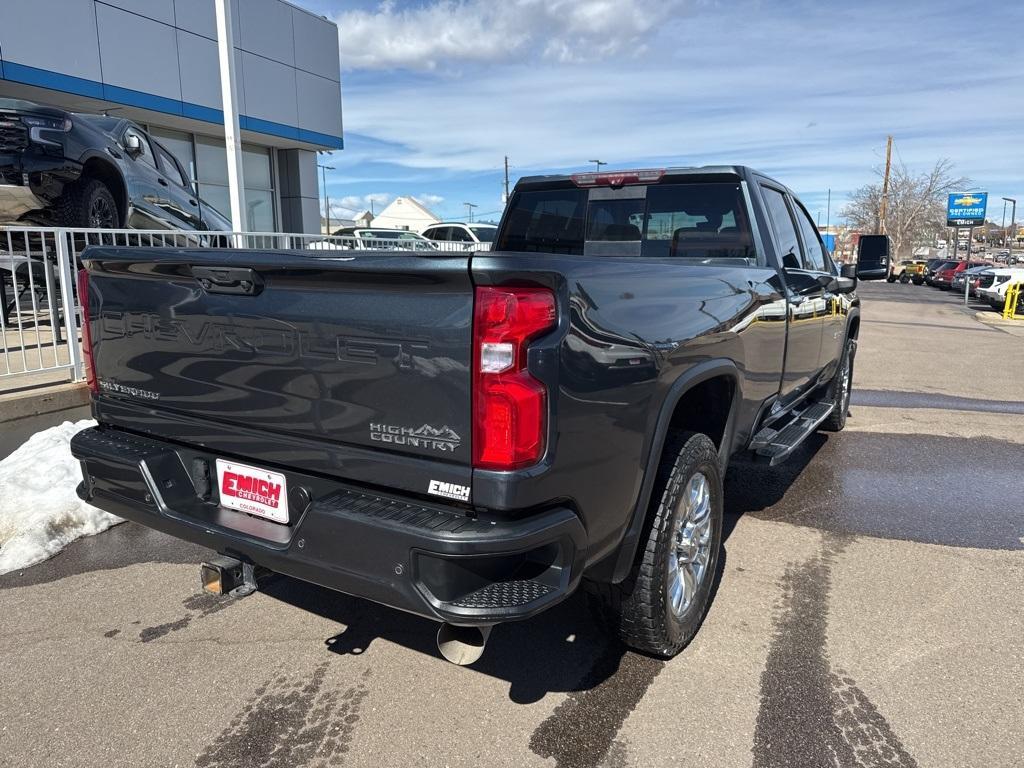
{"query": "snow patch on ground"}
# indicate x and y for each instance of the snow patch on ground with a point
(39, 511)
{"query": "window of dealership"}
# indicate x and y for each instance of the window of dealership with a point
(206, 162)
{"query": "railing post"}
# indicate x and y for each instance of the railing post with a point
(67, 276)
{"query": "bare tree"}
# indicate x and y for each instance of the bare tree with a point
(916, 208)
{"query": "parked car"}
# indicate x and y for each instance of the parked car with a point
(995, 294)
(456, 235)
(934, 266)
(370, 239)
(944, 277)
(472, 438)
(969, 275)
(907, 270)
(68, 169)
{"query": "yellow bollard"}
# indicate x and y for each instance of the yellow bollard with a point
(1012, 300)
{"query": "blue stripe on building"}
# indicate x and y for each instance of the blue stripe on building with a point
(44, 78)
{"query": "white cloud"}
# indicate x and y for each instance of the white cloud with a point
(359, 203)
(445, 32)
(428, 199)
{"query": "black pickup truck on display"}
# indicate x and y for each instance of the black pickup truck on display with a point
(70, 169)
(472, 436)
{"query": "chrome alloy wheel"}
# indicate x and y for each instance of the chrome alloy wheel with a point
(691, 544)
(844, 386)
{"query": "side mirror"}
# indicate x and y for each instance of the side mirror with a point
(872, 271)
(848, 271)
(133, 145)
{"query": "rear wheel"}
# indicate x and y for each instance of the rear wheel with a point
(88, 203)
(660, 606)
(904, 278)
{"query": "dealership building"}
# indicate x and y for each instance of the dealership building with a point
(156, 62)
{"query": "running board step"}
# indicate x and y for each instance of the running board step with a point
(776, 445)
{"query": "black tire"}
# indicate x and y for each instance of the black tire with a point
(890, 278)
(839, 394)
(88, 203)
(904, 278)
(639, 610)
(917, 280)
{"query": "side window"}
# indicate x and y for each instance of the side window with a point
(814, 249)
(168, 167)
(460, 235)
(782, 226)
(146, 153)
(432, 233)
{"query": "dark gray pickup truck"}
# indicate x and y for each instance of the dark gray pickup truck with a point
(471, 436)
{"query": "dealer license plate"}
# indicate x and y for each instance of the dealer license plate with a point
(253, 490)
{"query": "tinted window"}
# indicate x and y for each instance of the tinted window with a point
(484, 234)
(782, 226)
(545, 221)
(168, 167)
(698, 221)
(460, 235)
(814, 250)
(616, 220)
(434, 233)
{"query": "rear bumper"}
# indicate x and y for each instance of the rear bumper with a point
(428, 559)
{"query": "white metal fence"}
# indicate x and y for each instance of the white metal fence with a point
(39, 314)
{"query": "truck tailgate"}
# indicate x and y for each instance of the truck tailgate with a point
(367, 350)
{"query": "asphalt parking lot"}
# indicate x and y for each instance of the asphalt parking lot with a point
(868, 613)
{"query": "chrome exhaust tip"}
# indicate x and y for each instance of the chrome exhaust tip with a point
(462, 645)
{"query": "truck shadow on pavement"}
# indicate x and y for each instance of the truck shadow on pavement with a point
(568, 653)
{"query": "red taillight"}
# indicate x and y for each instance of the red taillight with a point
(83, 300)
(509, 405)
(618, 178)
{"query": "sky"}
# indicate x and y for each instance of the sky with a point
(436, 92)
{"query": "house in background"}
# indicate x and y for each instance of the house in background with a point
(405, 213)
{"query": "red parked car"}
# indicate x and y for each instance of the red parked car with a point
(944, 277)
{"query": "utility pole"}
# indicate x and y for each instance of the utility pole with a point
(598, 164)
(885, 186)
(327, 200)
(469, 210)
(504, 200)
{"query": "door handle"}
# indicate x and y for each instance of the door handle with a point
(163, 182)
(192, 202)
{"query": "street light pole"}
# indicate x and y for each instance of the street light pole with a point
(598, 164)
(1003, 227)
(469, 210)
(327, 200)
(1013, 225)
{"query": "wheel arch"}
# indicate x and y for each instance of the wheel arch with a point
(97, 166)
(705, 382)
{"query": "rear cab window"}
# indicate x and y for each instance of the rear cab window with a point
(698, 221)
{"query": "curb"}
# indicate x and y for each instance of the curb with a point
(61, 397)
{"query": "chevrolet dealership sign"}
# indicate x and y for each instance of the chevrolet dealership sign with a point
(966, 209)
